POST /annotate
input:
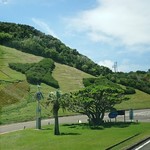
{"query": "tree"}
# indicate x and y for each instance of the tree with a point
(94, 101)
(55, 98)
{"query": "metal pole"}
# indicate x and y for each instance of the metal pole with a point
(38, 116)
(38, 108)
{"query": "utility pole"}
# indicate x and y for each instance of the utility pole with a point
(39, 96)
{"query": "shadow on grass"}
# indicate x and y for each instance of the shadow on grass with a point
(70, 133)
(102, 126)
(118, 124)
(46, 129)
(84, 126)
(77, 125)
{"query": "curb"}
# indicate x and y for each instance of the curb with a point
(139, 143)
(109, 148)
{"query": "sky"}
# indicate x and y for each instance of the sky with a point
(106, 31)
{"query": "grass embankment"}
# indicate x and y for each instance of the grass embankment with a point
(12, 93)
(76, 136)
(140, 100)
(8, 55)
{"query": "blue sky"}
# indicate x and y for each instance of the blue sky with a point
(106, 31)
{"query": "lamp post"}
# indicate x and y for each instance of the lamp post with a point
(39, 96)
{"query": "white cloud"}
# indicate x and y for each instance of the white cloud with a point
(44, 26)
(127, 67)
(123, 66)
(124, 22)
(4, 2)
(106, 63)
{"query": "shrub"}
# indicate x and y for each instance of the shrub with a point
(130, 90)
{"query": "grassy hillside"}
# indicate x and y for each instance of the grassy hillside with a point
(69, 78)
(9, 55)
(139, 100)
(27, 39)
(13, 93)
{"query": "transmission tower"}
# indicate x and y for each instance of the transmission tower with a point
(115, 67)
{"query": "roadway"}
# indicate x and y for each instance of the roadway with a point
(145, 145)
(140, 115)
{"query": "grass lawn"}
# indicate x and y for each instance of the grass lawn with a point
(76, 137)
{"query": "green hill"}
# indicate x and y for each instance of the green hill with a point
(27, 39)
(68, 77)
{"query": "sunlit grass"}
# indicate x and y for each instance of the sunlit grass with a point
(76, 136)
(69, 78)
(140, 100)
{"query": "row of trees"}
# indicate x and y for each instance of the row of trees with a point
(138, 80)
(37, 72)
(27, 39)
(102, 81)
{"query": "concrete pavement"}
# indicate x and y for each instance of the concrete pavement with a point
(140, 115)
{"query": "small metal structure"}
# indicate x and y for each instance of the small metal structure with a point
(38, 96)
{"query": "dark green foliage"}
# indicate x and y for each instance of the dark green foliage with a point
(138, 80)
(96, 99)
(4, 38)
(21, 67)
(99, 81)
(104, 81)
(27, 39)
(129, 90)
(88, 81)
(37, 72)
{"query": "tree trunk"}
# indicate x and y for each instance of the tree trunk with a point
(96, 120)
(55, 111)
(56, 130)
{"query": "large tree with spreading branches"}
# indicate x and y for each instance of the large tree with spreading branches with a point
(95, 100)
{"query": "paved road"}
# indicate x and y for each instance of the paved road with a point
(140, 115)
(143, 146)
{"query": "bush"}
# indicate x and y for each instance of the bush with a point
(130, 90)
(37, 72)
